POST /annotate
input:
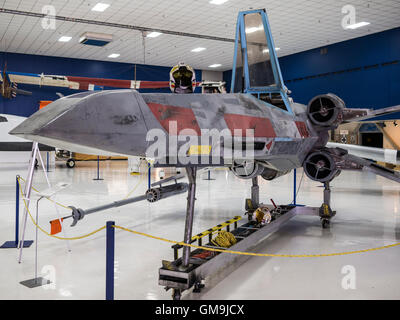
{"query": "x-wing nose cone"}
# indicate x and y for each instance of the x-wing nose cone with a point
(103, 122)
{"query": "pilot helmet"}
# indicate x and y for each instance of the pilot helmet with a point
(182, 79)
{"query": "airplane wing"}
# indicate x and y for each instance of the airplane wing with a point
(376, 154)
(82, 83)
(351, 162)
(351, 115)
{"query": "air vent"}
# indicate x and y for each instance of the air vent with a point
(95, 39)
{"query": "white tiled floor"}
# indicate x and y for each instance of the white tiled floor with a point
(368, 216)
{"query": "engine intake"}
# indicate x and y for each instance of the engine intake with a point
(270, 174)
(325, 110)
(246, 169)
(320, 166)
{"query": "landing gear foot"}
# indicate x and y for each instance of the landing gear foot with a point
(197, 287)
(325, 223)
(176, 294)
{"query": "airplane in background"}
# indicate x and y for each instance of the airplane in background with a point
(8, 88)
(11, 79)
(15, 150)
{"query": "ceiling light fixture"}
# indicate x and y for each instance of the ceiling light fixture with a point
(65, 39)
(100, 7)
(218, 2)
(114, 55)
(216, 65)
(357, 25)
(199, 49)
(153, 34)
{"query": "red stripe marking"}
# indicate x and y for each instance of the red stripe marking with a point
(301, 126)
(184, 117)
(262, 126)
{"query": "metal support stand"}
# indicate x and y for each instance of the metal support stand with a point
(294, 187)
(98, 170)
(325, 211)
(110, 248)
(255, 193)
(191, 173)
(14, 244)
(327, 194)
(149, 175)
(36, 281)
(27, 195)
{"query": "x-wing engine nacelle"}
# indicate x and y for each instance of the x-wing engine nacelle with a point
(251, 169)
(271, 174)
(246, 169)
(320, 166)
(326, 110)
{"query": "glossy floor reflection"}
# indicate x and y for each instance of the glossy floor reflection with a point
(367, 216)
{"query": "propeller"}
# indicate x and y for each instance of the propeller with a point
(9, 90)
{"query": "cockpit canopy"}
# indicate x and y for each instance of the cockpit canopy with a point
(256, 68)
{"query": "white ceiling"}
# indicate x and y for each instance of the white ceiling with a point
(297, 25)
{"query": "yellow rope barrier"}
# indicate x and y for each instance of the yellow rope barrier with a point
(257, 254)
(66, 207)
(50, 235)
(201, 247)
(137, 185)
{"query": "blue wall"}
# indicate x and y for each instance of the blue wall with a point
(356, 70)
(27, 105)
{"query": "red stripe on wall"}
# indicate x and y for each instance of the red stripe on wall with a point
(154, 84)
(116, 83)
(184, 117)
(262, 126)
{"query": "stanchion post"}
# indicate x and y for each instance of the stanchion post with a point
(47, 162)
(294, 186)
(14, 244)
(110, 246)
(16, 210)
(98, 169)
(149, 175)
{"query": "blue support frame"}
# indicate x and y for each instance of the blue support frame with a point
(241, 30)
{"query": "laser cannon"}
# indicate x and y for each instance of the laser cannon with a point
(156, 193)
